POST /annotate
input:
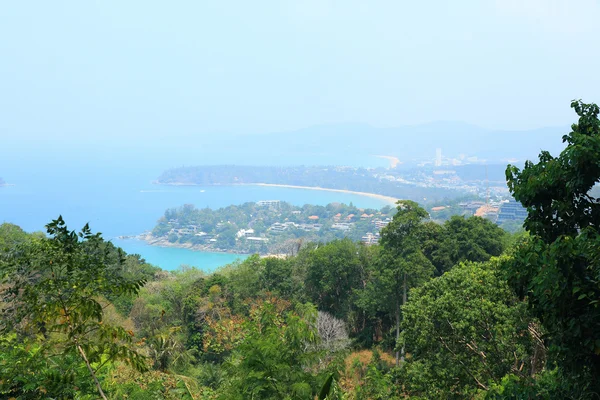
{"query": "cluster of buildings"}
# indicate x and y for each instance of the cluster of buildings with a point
(354, 224)
(440, 160)
(379, 224)
(511, 210)
(340, 223)
(370, 238)
(268, 203)
(190, 230)
(496, 211)
(283, 226)
(249, 235)
(444, 176)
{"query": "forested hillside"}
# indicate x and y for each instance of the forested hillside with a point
(267, 227)
(433, 311)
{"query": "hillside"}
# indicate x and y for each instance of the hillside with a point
(267, 226)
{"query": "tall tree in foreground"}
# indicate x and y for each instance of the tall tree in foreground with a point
(465, 330)
(53, 291)
(402, 265)
(557, 269)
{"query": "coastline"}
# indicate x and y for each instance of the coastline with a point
(161, 242)
(148, 238)
(152, 241)
(389, 199)
(394, 161)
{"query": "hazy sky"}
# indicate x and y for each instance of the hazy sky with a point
(144, 68)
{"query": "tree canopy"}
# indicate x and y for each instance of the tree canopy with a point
(556, 269)
(53, 290)
(458, 309)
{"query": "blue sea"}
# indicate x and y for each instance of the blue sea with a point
(116, 197)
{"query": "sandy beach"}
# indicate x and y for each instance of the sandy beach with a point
(389, 199)
(394, 161)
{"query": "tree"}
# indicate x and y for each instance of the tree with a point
(462, 239)
(402, 264)
(556, 190)
(53, 289)
(333, 273)
(166, 351)
(464, 330)
(332, 332)
(556, 269)
(244, 282)
(278, 277)
(275, 360)
(226, 238)
(11, 236)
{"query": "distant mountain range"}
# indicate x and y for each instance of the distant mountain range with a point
(411, 144)
(336, 144)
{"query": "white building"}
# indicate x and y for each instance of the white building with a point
(257, 239)
(342, 226)
(370, 238)
(245, 233)
(268, 203)
(438, 157)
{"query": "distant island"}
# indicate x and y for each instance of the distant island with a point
(2, 183)
(266, 227)
(376, 181)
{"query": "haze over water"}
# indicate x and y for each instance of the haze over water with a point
(121, 200)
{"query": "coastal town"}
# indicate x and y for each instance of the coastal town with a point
(430, 182)
(267, 226)
(275, 227)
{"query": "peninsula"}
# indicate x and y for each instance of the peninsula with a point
(394, 161)
(266, 227)
(374, 182)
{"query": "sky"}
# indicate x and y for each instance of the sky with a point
(151, 70)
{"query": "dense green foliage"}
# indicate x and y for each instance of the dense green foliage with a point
(52, 295)
(469, 310)
(202, 333)
(556, 270)
(465, 331)
(11, 236)
(461, 239)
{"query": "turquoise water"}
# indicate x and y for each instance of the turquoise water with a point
(171, 258)
(123, 201)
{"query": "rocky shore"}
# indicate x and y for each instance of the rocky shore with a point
(164, 242)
